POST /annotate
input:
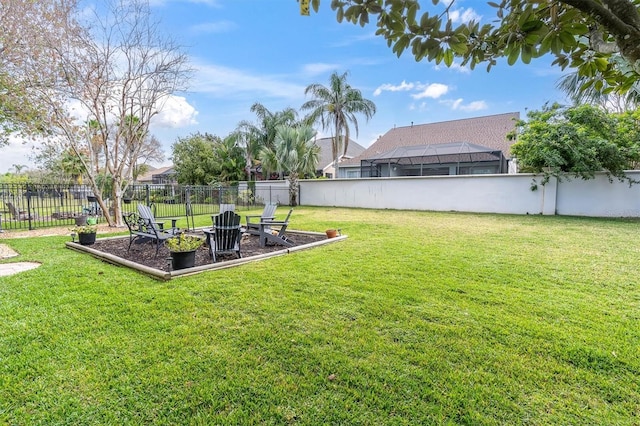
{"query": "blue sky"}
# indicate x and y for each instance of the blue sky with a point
(247, 51)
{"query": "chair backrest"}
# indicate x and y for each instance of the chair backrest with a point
(227, 208)
(227, 230)
(286, 220)
(13, 210)
(145, 213)
(269, 211)
(16, 213)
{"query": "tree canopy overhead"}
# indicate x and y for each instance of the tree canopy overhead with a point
(27, 30)
(599, 38)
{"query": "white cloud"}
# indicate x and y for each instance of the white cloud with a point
(18, 153)
(356, 39)
(227, 82)
(434, 90)
(214, 27)
(455, 67)
(422, 106)
(404, 86)
(175, 113)
(475, 106)
(458, 104)
(460, 16)
(319, 68)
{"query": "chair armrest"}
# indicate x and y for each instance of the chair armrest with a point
(273, 222)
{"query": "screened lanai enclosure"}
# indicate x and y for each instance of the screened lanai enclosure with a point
(459, 158)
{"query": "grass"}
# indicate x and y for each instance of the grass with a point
(416, 318)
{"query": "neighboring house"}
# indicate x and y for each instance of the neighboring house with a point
(477, 145)
(326, 161)
(161, 175)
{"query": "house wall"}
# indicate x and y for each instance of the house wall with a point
(502, 193)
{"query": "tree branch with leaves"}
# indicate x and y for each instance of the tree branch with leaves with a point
(599, 38)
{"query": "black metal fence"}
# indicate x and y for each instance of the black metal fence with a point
(31, 206)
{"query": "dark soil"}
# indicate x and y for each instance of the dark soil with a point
(144, 253)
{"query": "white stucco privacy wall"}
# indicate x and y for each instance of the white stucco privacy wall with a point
(479, 193)
(599, 198)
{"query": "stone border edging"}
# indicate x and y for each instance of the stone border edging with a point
(168, 275)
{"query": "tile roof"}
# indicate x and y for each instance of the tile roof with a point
(353, 150)
(489, 131)
(148, 177)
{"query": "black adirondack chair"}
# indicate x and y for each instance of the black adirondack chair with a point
(273, 231)
(269, 213)
(225, 235)
(145, 212)
(142, 229)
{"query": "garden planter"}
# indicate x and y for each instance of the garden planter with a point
(183, 259)
(81, 220)
(331, 233)
(87, 239)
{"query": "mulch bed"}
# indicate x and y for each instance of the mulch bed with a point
(145, 252)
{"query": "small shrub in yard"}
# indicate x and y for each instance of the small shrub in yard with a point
(84, 229)
(184, 242)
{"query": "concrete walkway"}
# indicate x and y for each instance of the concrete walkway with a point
(14, 267)
(7, 269)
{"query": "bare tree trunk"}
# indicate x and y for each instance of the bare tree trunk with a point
(121, 92)
(293, 189)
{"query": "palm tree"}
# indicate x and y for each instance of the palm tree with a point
(74, 164)
(295, 153)
(335, 107)
(229, 157)
(580, 91)
(18, 168)
(253, 137)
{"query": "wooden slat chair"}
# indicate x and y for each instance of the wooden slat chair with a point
(19, 214)
(273, 231)
(143, 229)
(145, 212)
(224, 208)
(269, 213)
(225, 235)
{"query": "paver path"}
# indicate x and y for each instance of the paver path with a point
(16, 267)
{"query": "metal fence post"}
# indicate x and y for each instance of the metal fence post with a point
(29, 207)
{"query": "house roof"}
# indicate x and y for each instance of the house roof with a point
(148, 177)
(353, 150)
(489, 131)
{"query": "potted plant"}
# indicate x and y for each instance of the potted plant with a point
(332, 233)
(86, 234)
(183, 250)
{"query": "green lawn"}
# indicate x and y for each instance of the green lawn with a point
(416, 318)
